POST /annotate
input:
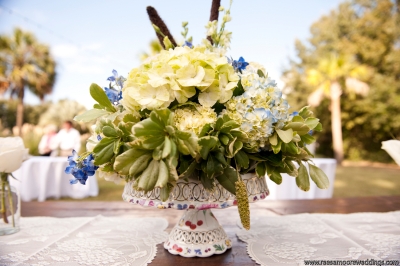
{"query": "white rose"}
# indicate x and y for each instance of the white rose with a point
(393, 148)
(12, 154)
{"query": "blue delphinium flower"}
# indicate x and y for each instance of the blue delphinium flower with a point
(240, 64)
(188, 44)
(113, 95)
(81, 170)
(114, 77)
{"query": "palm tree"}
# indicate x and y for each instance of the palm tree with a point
(331, 73)
(26, 63)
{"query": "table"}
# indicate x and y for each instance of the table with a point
(289, 190)
(44, 177)
(227, 218)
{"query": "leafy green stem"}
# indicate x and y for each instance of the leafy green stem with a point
(3, 210)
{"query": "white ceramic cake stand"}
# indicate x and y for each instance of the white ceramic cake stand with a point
(198, 233)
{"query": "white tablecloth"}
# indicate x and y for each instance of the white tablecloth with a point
(296, 239)
(44, 177)
(289, 190)
(118, 241)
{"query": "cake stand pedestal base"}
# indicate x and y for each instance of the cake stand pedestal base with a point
(197, 234)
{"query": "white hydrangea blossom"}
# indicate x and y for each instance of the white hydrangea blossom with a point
(260, 109)
(175, 75)
(193, 118)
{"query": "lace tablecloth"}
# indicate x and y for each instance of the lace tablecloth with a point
(96, 240)
(292, 239)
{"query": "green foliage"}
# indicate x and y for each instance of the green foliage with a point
(367, 32)
(32, 113)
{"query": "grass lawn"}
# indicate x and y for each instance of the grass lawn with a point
(360, 181)
(350, 181)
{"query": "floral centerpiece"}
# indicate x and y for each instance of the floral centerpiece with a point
(193, 113)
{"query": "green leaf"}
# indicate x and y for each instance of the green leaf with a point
(206, 128)
(206, 144)
(157, 152)
(167, 147)
(260, 73)
(285, 135)
(163, 175)
(273, 139)
(318, 127)
(104, 151)
(224, 139)
(238, 90)
(149, 177)
(307, 139)
(182, 135)
(290, 148)
(233, 148)
(303, 180)
(220, 158)
(319, 177)
(261, 169)
(298, 118)
(275, 159)
(132, 162)
(90, 115)
(189, 171)
(228, 126)
(100, 96)
(277, 148)
(305, 112)
(165, 192)
(147, 127)
(299, 127)
(130, 118)
(208, 183)
(161, 117)
(110, 132)
(228, 179)
(152, 142)
(276, 177)
(117, 145)
(98, 106)
(242, 159)
(238, 134)
(312, 122)
(214, 167)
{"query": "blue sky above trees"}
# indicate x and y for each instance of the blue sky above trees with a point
(90, 38)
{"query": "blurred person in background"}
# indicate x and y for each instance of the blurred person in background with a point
(47, 145)
(68, 139)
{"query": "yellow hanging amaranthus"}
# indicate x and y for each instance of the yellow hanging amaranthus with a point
(243, 203)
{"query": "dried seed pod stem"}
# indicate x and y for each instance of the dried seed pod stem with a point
(214, 14)
(156, 20)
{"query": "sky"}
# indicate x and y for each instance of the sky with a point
(90, 38)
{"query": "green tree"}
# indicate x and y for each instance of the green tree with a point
(62, 111)
(367, 33)
(26, 64)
